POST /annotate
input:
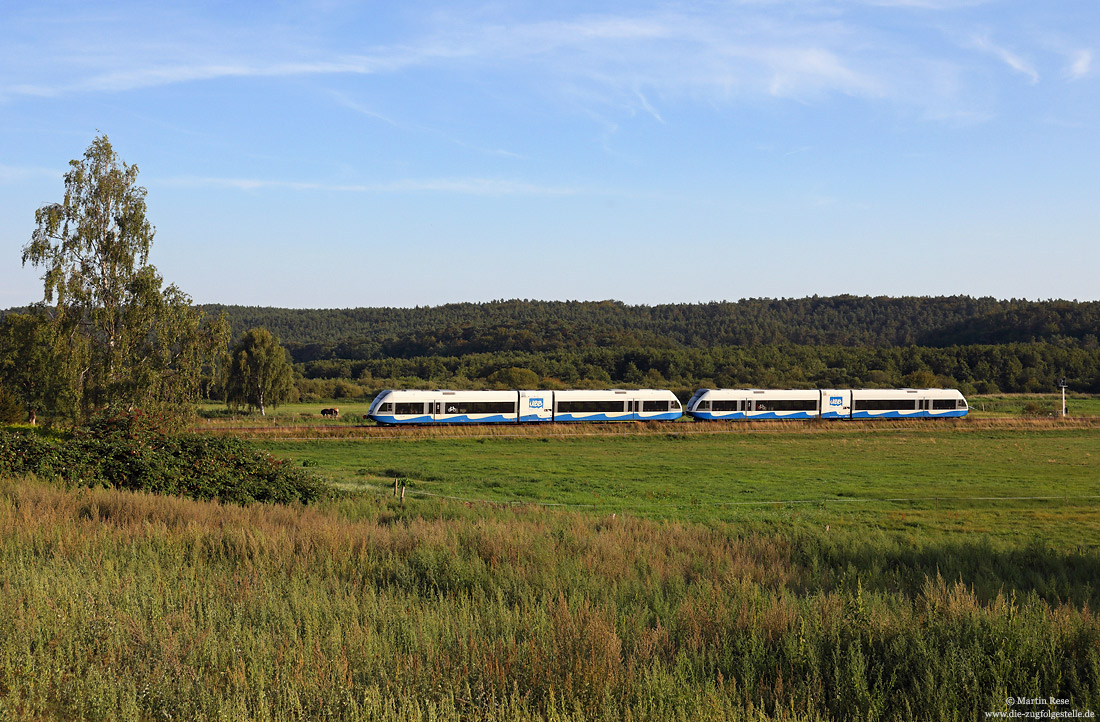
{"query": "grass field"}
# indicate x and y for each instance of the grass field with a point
(907, 478)
(774, 572)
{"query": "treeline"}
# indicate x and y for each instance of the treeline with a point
(979, 345)
(1031, 367)
(541, 326)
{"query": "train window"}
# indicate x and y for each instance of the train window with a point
(481, 407)
(386, 408)
(787, 405)
(408, 408)
(726, 406)
(883, 405)
(674, 405)
(703, 406)
(590, 407)
(943, 404)
(654, 406)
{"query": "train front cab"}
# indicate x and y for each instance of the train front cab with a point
(393, 407)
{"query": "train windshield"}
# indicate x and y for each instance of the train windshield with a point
(377, 402)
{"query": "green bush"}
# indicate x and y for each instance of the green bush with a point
(132, 450)
(11, 411)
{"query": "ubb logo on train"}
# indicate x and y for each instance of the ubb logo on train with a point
(836, 401)
(534, 403)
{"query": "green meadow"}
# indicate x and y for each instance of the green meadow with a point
(798, 573)
(996, 482)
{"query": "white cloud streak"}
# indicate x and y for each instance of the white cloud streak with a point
(1009, 58)
(468, 186)
(641, 61)
(1081, 65)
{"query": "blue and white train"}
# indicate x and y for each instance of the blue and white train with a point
(522, 406)
(749, 404)
(535, 406)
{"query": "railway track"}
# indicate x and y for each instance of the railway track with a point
(338, 431)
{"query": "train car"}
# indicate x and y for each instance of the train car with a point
(907, 403)
(450, 407)
(522, 406)
(749, 404)
(616, 405)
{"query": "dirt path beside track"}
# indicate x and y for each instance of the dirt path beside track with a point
(480, 431)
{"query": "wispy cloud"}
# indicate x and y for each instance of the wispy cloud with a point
(928, 4)
(668, 51)
(342, 99)
(1009, 58)
(643, 60)
(1081, 65)
(466, 186)
(17, 174)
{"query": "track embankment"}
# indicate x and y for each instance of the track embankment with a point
(342, 431)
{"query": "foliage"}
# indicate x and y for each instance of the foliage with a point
(514, 378)
(547, 326)
(259, 373)
(11, 410)
(134, 450)
(119, 337)
(132, 606)
(1037, 408)
(981, 345)
(35, 364)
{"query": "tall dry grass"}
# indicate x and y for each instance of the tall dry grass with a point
(120, 605)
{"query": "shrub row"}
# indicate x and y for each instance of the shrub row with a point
(130, 450)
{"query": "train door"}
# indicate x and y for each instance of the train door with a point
(535, 406)
(836, 404)
(433, 410)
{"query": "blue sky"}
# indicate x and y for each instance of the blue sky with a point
(340, 154)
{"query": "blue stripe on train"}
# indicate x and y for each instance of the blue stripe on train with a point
(594, 417)
(954, 413)
(464, 419)
(712, 416)
(753, 415)
(624, 416)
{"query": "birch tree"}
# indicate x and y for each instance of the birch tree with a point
(129, 340)
(258, 372)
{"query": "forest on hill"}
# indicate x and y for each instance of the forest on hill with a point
(520, 325)
(975, 344)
